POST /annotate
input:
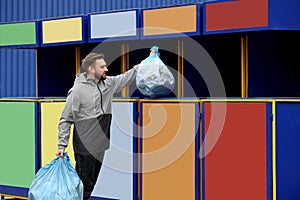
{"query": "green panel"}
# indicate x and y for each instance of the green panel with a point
(17, 34)
(17, 147)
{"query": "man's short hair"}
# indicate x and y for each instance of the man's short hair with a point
(90, 60)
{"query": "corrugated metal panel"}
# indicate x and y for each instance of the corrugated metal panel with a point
(17, 73)
(19, 10)
(18, 67)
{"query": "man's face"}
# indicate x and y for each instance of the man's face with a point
(100, 69)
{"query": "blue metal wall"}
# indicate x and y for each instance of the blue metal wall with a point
(18, 67)
(17, 73)
(287, 153)
(16, 10)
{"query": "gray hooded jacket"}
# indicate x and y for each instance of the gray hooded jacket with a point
(86, 104)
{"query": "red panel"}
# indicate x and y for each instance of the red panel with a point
(236, 168)
(237, 14)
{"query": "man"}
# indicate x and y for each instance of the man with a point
(89, 107)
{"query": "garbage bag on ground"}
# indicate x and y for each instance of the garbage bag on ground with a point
(153, 77)
(57, 180)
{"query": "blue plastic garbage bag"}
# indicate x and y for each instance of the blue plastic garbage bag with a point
(153, 77)
(57, 180)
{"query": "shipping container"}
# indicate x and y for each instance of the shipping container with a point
(17, 10)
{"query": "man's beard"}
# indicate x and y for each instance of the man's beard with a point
(100, 77)
(103, 77)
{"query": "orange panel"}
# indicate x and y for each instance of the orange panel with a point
(170, 20)
(168, 161)
(236, 168)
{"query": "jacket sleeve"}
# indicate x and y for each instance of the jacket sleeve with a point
(65, 123)
(122, 80)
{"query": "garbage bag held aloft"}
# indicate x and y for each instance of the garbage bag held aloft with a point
(153, 76)
(57, 180)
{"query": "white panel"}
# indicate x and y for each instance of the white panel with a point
(116, 177)
(117, 24)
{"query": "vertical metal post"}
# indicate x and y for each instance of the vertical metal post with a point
(36, 75)
(244, 66)
(124, 64)
(77, 54)
(180, 69)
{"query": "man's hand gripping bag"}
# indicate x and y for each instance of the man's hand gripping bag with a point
(57, 180)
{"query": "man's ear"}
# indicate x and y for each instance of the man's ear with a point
(91, 69)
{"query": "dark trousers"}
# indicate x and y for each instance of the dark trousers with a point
(88, 168)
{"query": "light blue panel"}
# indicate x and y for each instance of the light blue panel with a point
(115, 180)
(117, 24)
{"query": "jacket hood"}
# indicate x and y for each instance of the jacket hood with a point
(80, 78)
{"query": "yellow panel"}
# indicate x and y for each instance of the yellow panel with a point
(170, 20)
(50, 116)
(63, 30)
(168, 162)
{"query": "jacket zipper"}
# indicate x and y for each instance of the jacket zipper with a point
(101, 98)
